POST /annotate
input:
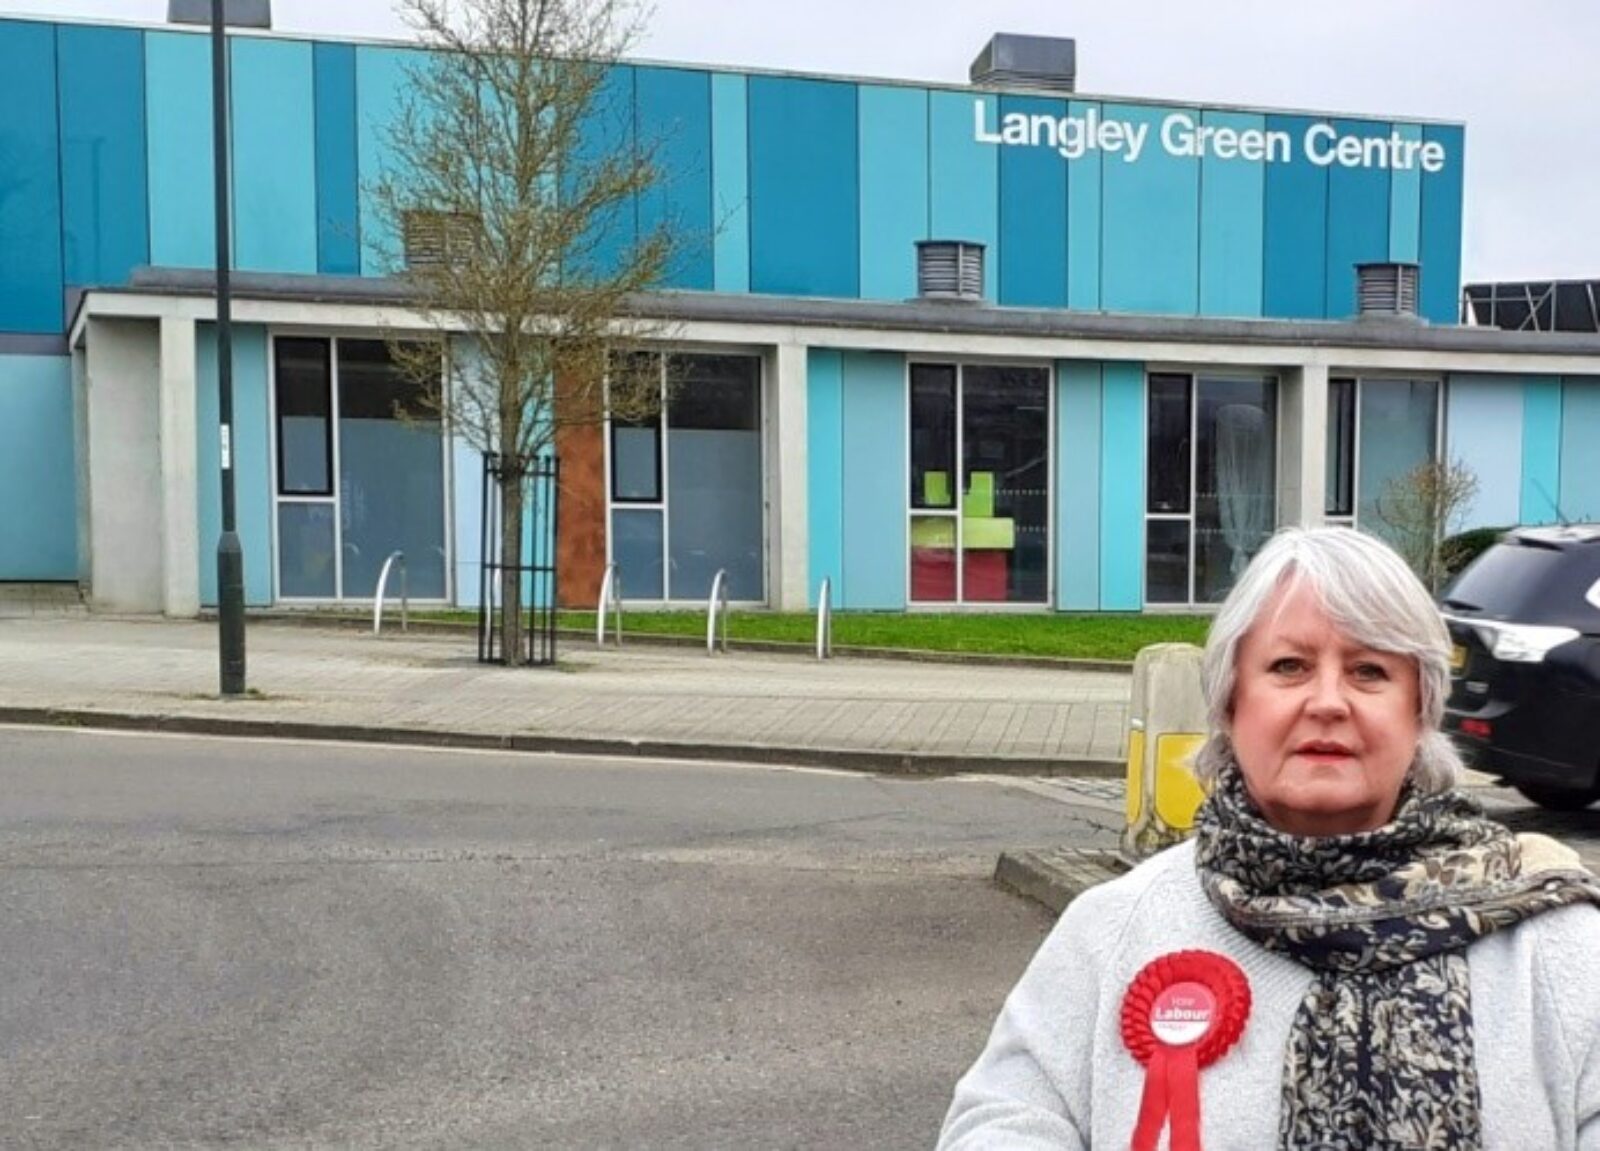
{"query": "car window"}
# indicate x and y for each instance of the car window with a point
(1509, 581)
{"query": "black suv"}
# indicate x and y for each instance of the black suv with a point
(1525, 690)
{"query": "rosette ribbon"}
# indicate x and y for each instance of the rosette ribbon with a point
(1172, 1069)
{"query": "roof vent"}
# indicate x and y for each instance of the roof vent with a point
(949, 270)
(1012, 61)
(1386, 291)
(235, 13)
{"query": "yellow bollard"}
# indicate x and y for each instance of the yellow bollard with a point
(1166, 726)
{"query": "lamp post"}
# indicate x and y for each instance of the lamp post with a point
(230, 556)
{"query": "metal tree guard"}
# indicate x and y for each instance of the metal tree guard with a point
(535, 568)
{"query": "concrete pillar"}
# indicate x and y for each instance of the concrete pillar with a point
(180, 500)
(125, 502)
(789, 556)
(1302, 471)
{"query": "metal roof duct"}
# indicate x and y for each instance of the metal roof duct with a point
(1012, 61)
(235, 13)
(1387, 291)
(950, 270)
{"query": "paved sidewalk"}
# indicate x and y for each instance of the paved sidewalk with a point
(314, 682)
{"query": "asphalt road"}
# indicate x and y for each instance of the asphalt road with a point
(222, 943)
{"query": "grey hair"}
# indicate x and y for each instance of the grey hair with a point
(1371, 595)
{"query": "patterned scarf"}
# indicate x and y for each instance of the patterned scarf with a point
(1381, 1052)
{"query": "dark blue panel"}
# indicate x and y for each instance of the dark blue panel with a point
(1033, 215)
(1358, 220)
(30, 185)
(1297, 229)
(675, 133)
(804, 219)
(103, 174)
(613, 231)
(338, 214)
(1440, 286)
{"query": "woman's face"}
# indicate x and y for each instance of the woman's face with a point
(1324, 729)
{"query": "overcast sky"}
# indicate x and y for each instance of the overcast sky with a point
(1521, 75)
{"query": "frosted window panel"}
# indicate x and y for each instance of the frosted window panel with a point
(1399, 427)
(305, 551)
(636, 550)
(714, 492)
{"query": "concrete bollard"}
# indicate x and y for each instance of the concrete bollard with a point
(1167, 724)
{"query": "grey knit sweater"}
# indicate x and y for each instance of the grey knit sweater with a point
(1056, 1075)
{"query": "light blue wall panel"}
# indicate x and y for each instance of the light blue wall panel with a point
(183, 218)
(466, 472)
(381, 81)
(730, 180)
(251, 460)
(1405, 205)
(675, 129)
(30, 213)
(1296, 254)
(103, 175)
(1150, 259)
(1233, 196)
(1440, 289)
(804, 195)
(1078, 485)
(338, 175)
(1033, 215)
(38, 477)
(1580, 459)
(965, 194)
(1083, 223)
(613, 229)
(1122, 478)
(274, 156)
(1483, 429)
(825, 472)
(875, 478)
(1358, 221)
(1541, 450)
(894, 189)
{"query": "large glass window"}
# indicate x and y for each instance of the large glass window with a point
(1378, 431)
(687, 482)
(360, 472)
(1339, 492)
(980, 533)
(1212, 483)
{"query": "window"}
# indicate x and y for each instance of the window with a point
(1339, 492)
(979, 533)
(687, 481)
(1378, 430)
(1211, 483)
(305, 418)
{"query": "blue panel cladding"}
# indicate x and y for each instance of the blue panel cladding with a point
(251, 461)
(609, 129)
(381, 82)
(274, 156)
(39, 523)
(1233, 194)
(1358, 220)
(1405, 204)
(1150, 259)
(804, 192)
(825, 473)
(894, 189)
(964, 191)
(1122, 478)
(1296, 256)
(873, 491)
(1580, 432)
(104, 180)
(1483, 429)
(338, 174)
(730, 182)
(1078, 465)
(674, 118)
(466, 479)
(1083, 222)
(183, 218)
(1033, 215)
(1440, 288)
(1541, 450)
(30, 226)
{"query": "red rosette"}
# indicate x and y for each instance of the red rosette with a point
(1182, 1013)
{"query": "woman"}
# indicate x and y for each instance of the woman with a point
(1401, 971)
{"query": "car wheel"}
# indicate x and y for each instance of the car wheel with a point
(1559, 798)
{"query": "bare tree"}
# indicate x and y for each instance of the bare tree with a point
(501, 216)
(1420, 507)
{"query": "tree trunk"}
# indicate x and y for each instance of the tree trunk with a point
(512, 645)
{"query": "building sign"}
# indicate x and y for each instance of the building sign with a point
(1182, 134)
